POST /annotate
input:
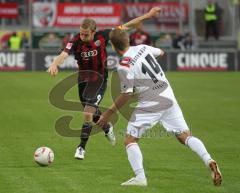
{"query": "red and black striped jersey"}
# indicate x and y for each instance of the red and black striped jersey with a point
(91, 56)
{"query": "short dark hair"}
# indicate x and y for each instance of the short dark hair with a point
(119, 38)
(89, 23)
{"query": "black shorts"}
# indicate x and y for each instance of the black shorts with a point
(91, 93)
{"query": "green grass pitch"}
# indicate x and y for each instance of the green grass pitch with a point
(211, 106)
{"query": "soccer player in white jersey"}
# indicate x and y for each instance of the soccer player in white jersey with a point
(140, 72)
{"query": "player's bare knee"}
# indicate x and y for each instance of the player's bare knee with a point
(183, 136)
(130, 139)
(88, 113)
(89, 109)
(87, 117)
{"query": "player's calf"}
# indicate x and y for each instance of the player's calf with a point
(108, 128)
(85, 133)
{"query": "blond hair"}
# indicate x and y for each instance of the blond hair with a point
(119, 38)
(89, 23)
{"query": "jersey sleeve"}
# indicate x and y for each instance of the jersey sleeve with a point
(155, 51)
(106, 33)
(71, 46)
(126, 79)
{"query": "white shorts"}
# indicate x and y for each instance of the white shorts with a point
(172, 120)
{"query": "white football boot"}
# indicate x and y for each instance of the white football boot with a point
(135, 182)
(79, 153)
(110, 135)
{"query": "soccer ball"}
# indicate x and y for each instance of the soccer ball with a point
(44, 156)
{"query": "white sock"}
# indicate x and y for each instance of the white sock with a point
(136, 160)
(197, 146)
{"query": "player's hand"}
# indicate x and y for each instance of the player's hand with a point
(154, 12)
(102, 121)
(123, 27)
(53, 70)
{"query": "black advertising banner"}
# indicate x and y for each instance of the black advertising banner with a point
(43, 60)
(15, 61)
(203, 61)
(163, 62)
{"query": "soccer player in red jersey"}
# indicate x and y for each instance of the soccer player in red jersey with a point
(89, 49)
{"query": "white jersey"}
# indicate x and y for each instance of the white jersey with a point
(140, 72)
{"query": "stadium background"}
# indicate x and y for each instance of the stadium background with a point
(210, 100)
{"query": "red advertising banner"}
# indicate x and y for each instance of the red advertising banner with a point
(171, 12)
(9, 10)
(71, 14)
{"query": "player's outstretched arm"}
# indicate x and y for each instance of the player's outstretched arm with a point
(53, 69)
(118, 103)
(152, 13)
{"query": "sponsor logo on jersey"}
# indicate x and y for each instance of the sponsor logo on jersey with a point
(69, 45)
(125, 62)
(97, 43)
(86, 55)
